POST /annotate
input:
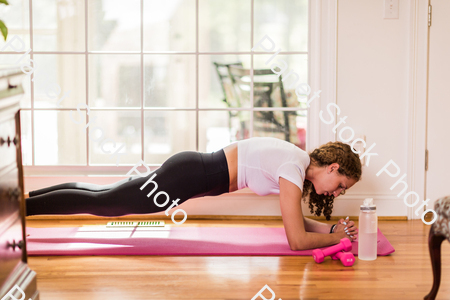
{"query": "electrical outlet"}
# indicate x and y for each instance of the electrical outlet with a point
(390, 9)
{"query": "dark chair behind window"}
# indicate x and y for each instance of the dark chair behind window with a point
(262, 97)
(231, 97)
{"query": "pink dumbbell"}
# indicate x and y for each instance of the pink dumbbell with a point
(347, 258)
(319, 254)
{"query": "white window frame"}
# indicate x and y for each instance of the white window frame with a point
(322, 16)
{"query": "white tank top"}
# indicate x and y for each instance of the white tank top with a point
(262, 160)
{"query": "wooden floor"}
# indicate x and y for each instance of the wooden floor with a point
(405, 274)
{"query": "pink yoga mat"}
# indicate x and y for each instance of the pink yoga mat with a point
(99, 240)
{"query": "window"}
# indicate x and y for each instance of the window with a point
(145, 69)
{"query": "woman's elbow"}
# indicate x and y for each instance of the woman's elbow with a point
(299, 244)
(295, 246)
(298, 248)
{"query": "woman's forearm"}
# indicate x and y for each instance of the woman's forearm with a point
(318, 240)
(316, 226)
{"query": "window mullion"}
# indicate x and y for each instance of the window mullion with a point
(142, 82)
(251, 69)
(33, 152)
(196, 77)
(87, 74)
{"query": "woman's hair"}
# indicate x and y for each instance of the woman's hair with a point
(349, 166)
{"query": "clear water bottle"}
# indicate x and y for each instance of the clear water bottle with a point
(367, 230)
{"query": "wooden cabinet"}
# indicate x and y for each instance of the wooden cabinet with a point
(13, 249)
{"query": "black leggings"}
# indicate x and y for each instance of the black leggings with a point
(185, 175)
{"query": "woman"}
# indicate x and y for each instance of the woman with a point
(266, 165)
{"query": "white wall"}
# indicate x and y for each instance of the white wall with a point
(372, 90)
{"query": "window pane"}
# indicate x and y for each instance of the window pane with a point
(16, 18)
(114, 80)
(284, 21)
(224, 25)
(58, 140)
(64, 70)
(214, 90)
(272, 124)
(167, 133)
(58, 25)
(25, 134)
(217, 129)
(116, 132)
(169, 25)
(114, 25)
(169, 80)
(266, 85)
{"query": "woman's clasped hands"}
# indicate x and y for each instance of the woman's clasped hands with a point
(346, 228)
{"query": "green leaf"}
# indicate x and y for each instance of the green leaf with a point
(3, 29)
(4, 2)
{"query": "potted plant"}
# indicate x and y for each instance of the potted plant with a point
(3, 27)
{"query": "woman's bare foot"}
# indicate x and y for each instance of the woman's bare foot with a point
(27, 195)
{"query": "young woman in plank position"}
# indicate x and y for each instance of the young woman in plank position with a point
(266, 165)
